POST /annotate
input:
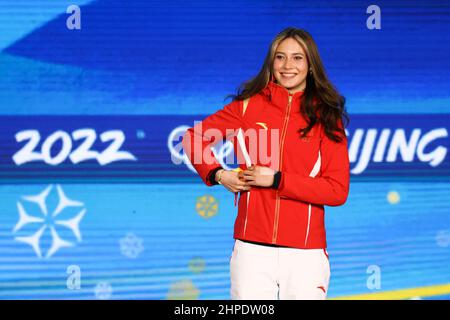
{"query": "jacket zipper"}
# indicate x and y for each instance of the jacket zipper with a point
(277, 201)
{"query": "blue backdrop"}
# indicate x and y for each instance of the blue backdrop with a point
(97, 199)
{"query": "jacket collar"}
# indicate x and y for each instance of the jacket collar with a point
(279, 96)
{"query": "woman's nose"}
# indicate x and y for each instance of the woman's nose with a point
(288, 63)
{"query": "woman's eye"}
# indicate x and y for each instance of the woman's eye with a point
(279, 57)
(298, 58)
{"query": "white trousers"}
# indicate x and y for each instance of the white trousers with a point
(269, 273)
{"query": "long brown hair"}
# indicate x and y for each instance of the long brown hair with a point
(320, 100)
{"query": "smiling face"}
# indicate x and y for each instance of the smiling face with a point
(290, 65)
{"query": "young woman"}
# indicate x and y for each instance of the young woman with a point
(280, 241)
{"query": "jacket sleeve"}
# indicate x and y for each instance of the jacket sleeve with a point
(198, 140)
(331, 187)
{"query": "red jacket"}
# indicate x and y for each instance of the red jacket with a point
(315, 170)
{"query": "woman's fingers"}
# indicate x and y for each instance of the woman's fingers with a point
(237, 181)
(241, 181)
(238, 189)
(241, 185)
(254, 176)
(236, 185)
(249, 176)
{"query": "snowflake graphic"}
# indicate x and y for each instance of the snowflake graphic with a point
(131, 245)
(57, 242)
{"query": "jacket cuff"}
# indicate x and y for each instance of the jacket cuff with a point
(212, 175)
(276, 180)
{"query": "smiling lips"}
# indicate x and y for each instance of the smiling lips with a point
(288, 75)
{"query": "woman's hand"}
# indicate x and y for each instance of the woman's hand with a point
(258, 176)
(230, 180)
